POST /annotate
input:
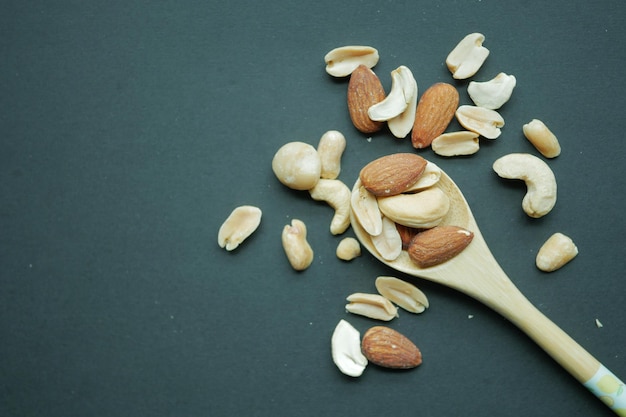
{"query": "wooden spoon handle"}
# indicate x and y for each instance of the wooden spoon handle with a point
(569, 354)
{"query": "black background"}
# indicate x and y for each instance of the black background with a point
(129, 130)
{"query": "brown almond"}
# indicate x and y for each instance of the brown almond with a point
(392, 174)
(437, 245)
(364, 90)
(406, 234)
(434, 113)
(389, 348)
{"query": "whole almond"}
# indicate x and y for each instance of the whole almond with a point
(364, 90)
(434, 113)
(437, 245)
(392, 174)
(389, 348)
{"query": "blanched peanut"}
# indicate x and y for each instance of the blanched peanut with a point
(485, 122)
(241, 223)
(366, 211)
(297, 249)
(400, 292)
(374, 306)
(542, 138)
(494, 93)
(467, 56)
(330, 149)
(388, 243)
(556, 252)
(341, 61)
(456, 143)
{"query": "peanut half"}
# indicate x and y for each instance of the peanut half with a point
(456, 143)
(240, 224)
(556, 252)
(374, 306)
(542, 138)
(467, 56)
(485, 122)
(298, 251)
(402, 293)
(341, 61)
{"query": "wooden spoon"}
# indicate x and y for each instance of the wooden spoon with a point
(476, 273)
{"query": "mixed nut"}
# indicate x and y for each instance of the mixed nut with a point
(396, 199)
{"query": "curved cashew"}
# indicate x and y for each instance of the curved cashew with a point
(494, 93)
(424, 209)
(346, 349)
(297, 249)
(330, 149)
(337, 195)
(403, 92)
(539, 178)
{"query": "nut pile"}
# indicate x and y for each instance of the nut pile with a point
(396, 199)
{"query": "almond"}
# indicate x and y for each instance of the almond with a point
(392, 174)
(389, 348)
(434, 113)
(437, 245)
(364, 90)
(406, 234)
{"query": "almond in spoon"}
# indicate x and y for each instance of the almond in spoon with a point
(439, 244)
(392, 174)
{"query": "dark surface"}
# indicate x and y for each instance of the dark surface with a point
(130, 129)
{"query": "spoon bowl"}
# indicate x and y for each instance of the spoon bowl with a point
(476, 272)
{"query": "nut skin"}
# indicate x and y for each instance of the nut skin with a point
(364, 90)
(434, 113)
(392, 174)
(439, 244)
(389, 348)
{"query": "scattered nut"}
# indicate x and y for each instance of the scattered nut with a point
(485, 122)
(456, 143)
(434, 113)
(494, 93)
(297, 249)
(330, 149)
(297, 165)
(400, 103)
(420, 210)
(392, 174)
(340, 62)
(365, 209)
(540, 197)
(389, 348)
(337, 195)
(542, 138)
(374, 306)
(403, 294)
(364, 90)
(388, 243)
(439, 244)
(467, 56)
(556, 252)
(348, 249)
(346, 349)
(240, 224)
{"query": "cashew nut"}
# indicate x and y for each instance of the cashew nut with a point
(556, 252)
(398, 108)
(467, 56)
(539, 178)
(297, 165)
(420, 210)
(241, 223)
(297, 249)
(330, 149)
(494, 93)
(542, 138)
(340, 62)
(346, 349)
(338, 196)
